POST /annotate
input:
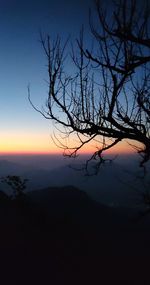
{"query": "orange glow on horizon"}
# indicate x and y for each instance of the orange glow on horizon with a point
(42, 144)
(23, 143)
(60, 151)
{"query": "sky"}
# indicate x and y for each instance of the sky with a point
(22, 62)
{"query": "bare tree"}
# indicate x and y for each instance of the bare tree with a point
(107, 96)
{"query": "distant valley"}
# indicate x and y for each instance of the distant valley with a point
(116, 184)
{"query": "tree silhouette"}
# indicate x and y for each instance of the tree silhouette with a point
(107, 96)
(17, 184)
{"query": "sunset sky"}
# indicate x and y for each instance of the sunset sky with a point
(22, 62)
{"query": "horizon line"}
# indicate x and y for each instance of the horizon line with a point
(61, 154)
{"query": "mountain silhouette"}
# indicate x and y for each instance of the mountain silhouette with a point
(126, 190)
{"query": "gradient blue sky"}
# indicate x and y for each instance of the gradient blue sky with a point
(22, 62)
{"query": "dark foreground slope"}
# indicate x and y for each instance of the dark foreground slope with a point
(61, 236)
